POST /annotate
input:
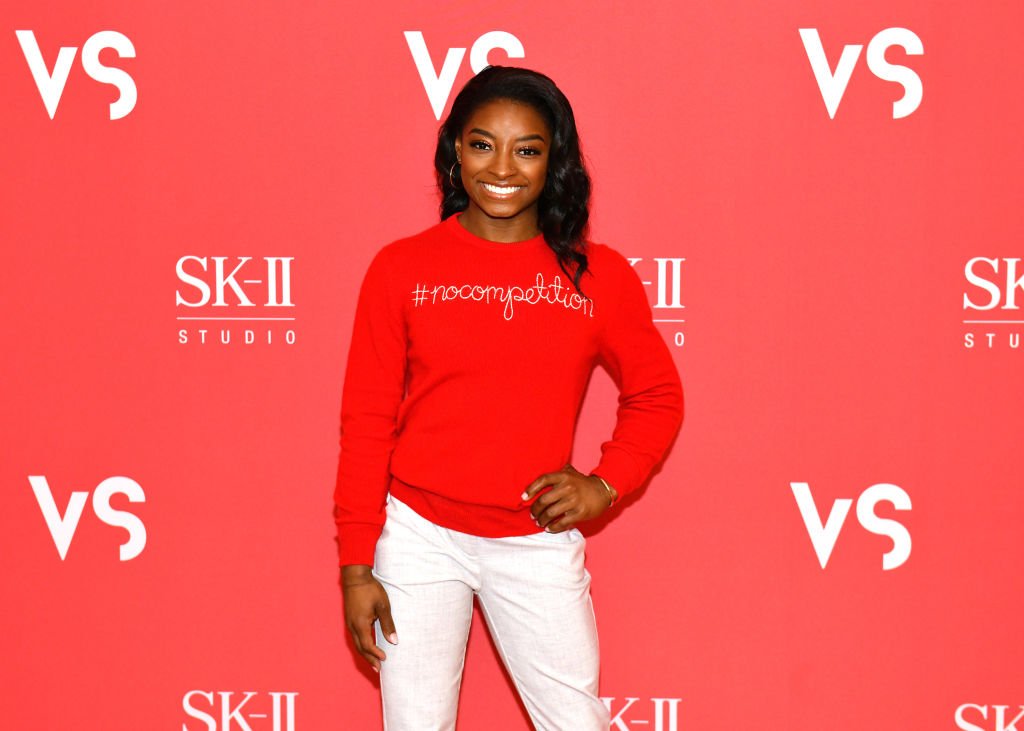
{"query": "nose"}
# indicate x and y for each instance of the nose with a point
(503, 164)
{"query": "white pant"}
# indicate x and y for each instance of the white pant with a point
(535, 595)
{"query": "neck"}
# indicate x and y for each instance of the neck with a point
(501, 230)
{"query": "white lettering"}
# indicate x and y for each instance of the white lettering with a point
(119, 78)
(51, 84)
(555, 293)
(913, 90)
(186, 704)
(979, 281)
(438, 85)
(824, 535)
(666, 274)
(833, 84)
(119, 518)
(900, 536)
(63, 527)
(1001, 724)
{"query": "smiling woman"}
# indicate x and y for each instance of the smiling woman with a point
(503, 161)
(466, 370)
(514, 128)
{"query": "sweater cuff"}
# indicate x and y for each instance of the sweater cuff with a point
(620, 471)
(357, 543)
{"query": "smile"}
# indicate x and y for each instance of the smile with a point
(502, 190)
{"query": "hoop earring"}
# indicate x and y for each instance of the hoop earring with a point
(450, 173)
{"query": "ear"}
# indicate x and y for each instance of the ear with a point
(458, 149)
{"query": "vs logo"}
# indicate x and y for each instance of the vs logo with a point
(824, 535)
(833, 83)
(439, 85)
(51, 83)
(63, 527)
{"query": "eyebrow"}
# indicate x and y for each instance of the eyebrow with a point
(524, 138)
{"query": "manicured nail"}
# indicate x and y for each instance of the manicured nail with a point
(525, 496)
(393, 638)
(375, 668)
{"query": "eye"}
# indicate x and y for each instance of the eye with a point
(479, 145)
(530, 151)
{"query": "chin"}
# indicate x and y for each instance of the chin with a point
(501, 213)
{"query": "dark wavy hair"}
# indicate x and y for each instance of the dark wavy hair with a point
(563, 207)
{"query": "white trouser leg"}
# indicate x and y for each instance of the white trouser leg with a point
(535, 596)
(430, 590)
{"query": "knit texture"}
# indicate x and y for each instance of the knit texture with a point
(465, 374)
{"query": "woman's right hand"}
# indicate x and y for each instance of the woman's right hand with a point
(365, 603)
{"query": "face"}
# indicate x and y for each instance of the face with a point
(503, 151)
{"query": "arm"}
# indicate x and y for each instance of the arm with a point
(373, 389)
(650, 408)
(648, 417)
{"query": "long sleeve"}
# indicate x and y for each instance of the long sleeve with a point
(650, 408)
(373, 390)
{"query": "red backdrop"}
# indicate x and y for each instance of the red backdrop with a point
(846, 314)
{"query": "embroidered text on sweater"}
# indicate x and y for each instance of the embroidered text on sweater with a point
(554, 294)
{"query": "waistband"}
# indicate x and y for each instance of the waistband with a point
(489, 521)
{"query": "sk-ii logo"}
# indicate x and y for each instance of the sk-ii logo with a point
(998, 278)
(225, 712)
(51, 83)
(665, 275)
(989, 718)
(241, 285)
(63, 527)
(993, 290)
(275, 290)
(661, 715)
(833, 83)
(824, 535)
(439, 85)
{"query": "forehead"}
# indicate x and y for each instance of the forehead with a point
(509, 116)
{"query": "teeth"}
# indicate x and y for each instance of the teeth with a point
(502, 188)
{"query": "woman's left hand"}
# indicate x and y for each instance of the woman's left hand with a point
(574, 496)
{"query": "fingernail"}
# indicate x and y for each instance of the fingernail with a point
(375, 668)
(393, 638)
(524, 496)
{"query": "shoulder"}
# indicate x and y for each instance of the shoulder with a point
(409, 248)
(607, 262)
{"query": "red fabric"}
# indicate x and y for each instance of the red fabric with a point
(495, 347)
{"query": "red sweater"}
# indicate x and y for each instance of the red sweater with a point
(465, 374)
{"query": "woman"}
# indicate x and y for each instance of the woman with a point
(472, 345)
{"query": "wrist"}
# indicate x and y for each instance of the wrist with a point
(613, 494)
(356, 573)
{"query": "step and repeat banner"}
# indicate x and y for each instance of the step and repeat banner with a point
(823, 201)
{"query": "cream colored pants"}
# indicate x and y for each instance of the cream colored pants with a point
(534, 592)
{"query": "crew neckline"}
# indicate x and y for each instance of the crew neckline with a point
(461, 232)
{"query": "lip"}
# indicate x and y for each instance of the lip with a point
(514, 189)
